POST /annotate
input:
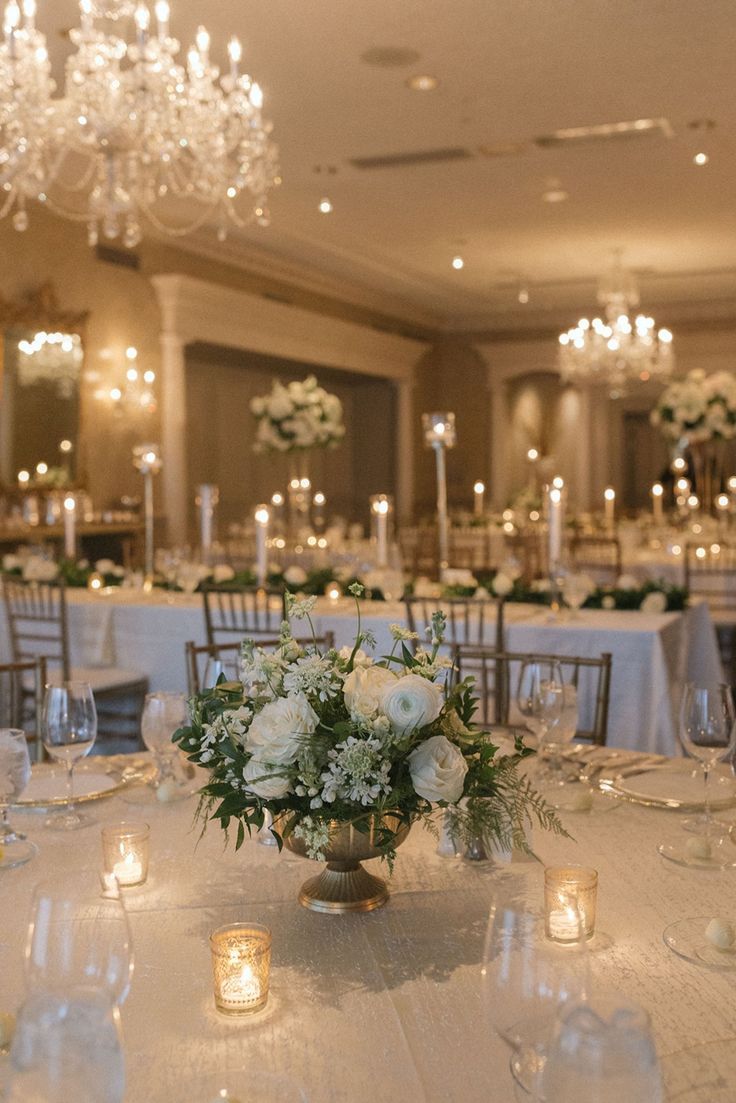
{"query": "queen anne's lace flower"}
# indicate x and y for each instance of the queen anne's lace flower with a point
(313, 676)
(357, 771)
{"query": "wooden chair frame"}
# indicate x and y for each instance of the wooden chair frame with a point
(495, 675)
(242, 611)
(26, 680)
(468, 613)
(194, 652)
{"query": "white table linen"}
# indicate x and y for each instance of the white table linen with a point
(653, 655)
(369, 1008)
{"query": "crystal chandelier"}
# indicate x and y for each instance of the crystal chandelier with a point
(137, 134)
(616, 350)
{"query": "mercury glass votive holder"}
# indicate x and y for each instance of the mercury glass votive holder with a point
(570, 896)
(125, 852)
(241, 967)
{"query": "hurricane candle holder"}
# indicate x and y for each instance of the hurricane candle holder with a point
(439, 434)
(570, 896)
(241, 966)
(125, 852)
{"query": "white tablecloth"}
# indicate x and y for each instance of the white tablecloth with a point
(374, 1008)
(652, 655)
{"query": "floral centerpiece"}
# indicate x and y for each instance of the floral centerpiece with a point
(698, 409)
(299, 415)
(346, 753)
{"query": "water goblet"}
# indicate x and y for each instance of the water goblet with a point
(78, 936)
(68, 731)
(539, 697)
(15, 771)
(67, 1047)
(163, 714)
(602, 1050)
(560, 735)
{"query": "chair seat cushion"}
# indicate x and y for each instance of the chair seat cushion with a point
(102, 679)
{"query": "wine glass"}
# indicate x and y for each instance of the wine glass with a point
(67, 1047)
(539, 696)
(526, 977)
(576, 589)
(561, 735)
(78, 936)
(214, 667)
(708, 733)
(68, 731)
(15, 771)
(163, 714)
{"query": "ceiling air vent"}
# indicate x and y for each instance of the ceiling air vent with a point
(402, 160)
(606, 132)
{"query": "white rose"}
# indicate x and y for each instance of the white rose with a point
(438, 770)
(12, 562)
(626, 582)
(223, 572)
(361, 659)
(502, 584)
(364, 688)
(280, 405)
(105, 566)
(608, 602)
(655, 602)
(37, 569)
(411, 702)
(278, 730)
(296, 575)
(264, 782)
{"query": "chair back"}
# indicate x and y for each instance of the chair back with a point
(529, 549)
(710, 573)
(197, 656)
(469, 620)
(242, 611)
(21, 700)
(37, 621)
(492, 670)
(598, 556)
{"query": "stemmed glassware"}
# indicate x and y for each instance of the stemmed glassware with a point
(68, 731)
(163, 713)
(526, 978)
(539, 697)
(708, 733)
(78, 936)
(15, 771)
(576, 589)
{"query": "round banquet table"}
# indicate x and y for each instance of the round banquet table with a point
(378, 1007)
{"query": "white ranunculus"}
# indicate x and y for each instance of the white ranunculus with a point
(280, 405)
(264, 781)
(365, 687)
(411, 702)
(655, 602)
(295, 575)
(438, 770)
(502, 584)
(105, 566)
(278, 730)
(608, 602)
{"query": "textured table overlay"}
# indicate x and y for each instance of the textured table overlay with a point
(370, 1008)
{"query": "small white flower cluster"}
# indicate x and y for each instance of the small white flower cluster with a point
(298, 415)
(316, 835)
(698, 408)
(314, 676)
(357, 771)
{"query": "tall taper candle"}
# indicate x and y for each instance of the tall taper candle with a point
(262, 518)
(70, 527)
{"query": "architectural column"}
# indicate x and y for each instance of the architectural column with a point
(499, 488)
(173, 438)
(404, 456)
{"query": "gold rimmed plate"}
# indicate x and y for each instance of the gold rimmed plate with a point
(94, 779)
(687, 939)
(677, 785)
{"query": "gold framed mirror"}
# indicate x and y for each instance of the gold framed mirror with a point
(41, 370)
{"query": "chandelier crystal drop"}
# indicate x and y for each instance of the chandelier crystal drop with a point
(137, 134)
(616, 350)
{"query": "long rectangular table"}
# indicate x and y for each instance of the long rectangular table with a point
(653, 655)
(380, 1007)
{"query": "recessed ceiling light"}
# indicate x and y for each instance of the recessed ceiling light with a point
(423, 82)
(555, 195)
(701, 159)
(325, 206)
(458, 263)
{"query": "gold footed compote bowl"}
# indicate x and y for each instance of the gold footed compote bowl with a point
(344, 886)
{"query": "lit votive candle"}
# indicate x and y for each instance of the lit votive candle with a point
(125, 852)
(241, 966)
(570, 894)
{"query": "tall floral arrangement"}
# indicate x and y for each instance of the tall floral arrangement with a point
(323, 738)
(299, 415)
(699, 408)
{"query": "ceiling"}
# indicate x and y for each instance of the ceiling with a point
(509, 71)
